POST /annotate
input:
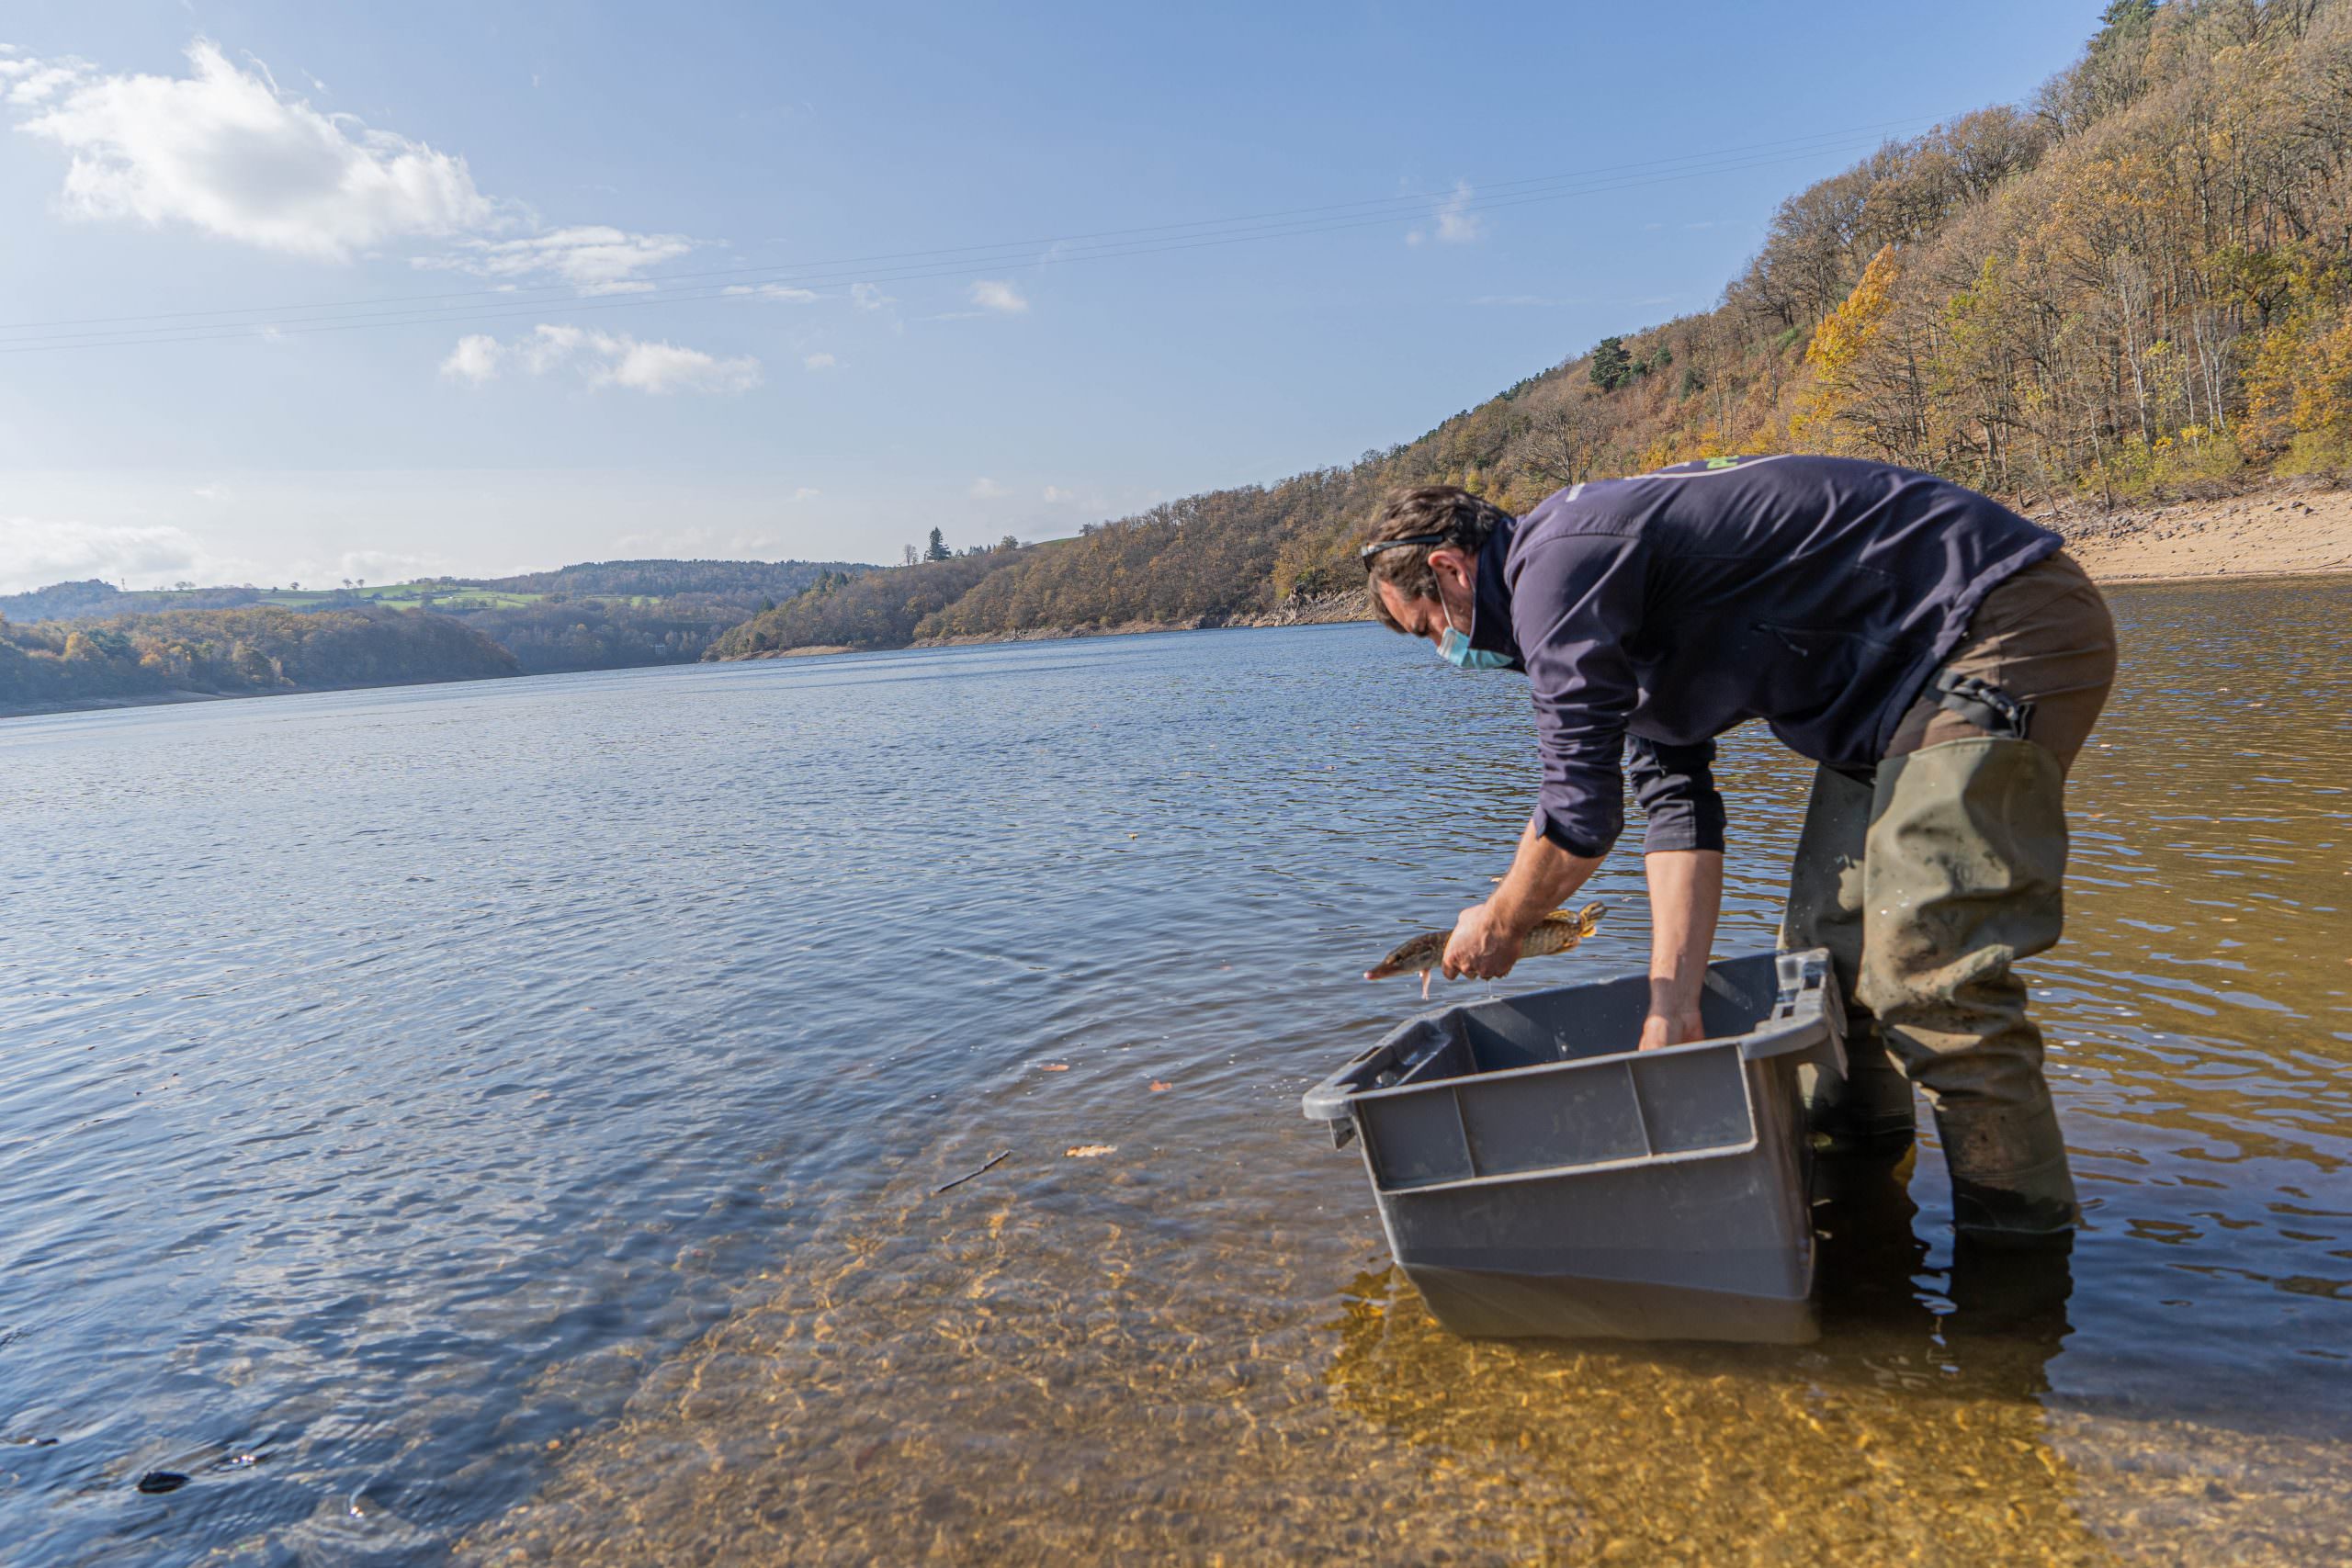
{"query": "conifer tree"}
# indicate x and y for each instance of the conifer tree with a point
(1611, 366)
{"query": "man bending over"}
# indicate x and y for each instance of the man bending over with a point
(1931, 651)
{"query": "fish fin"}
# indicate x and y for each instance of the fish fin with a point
(1427, 976)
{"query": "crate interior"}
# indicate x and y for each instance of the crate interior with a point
(1593, 1019)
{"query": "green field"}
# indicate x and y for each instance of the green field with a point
(395, 596)
(409, 596)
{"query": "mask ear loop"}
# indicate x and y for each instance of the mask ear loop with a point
(1447, 610)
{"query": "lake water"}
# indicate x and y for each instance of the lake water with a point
(504, 1118)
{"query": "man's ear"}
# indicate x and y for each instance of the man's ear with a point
(1453, 567)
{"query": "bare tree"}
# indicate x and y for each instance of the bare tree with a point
(1563, 441)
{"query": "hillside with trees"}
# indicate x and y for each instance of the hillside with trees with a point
(592, 615)
(875, 609)
(246, 653)
(2138, 286)
(558, 632)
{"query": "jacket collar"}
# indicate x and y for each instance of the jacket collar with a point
(1490, 627)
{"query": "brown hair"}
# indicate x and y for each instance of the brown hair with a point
(1466, 523)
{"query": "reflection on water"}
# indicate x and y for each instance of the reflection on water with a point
(575, 1062)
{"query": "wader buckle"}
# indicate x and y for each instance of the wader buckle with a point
(1983, 705)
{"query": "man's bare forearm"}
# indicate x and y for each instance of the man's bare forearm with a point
(1686, 900)
(1542, 876)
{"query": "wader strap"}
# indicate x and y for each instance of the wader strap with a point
(1981, 704)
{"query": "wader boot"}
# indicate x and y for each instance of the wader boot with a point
(1962, 864)
(1870, 1114)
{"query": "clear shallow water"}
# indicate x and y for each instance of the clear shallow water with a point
(512, 1111)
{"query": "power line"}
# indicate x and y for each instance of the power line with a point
(983, 255)
(913, 265)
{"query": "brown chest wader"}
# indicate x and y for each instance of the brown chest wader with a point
(1929, 880)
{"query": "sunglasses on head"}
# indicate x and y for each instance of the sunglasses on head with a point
(1409, 541)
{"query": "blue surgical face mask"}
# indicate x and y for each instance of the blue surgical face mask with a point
(1456, 649)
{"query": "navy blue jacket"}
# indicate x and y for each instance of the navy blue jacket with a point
(1652, 614)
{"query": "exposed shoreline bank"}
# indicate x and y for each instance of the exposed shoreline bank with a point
(2290, 529)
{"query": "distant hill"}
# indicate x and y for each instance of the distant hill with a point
(244, 652)
(2137, 287)
(738, 580)
(84, 601)
(63, 602)
(591, 615)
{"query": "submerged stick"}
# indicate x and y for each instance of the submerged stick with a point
(982, 1171)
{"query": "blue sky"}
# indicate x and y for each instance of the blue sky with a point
(578, 185)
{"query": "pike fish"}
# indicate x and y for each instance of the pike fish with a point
(1557, 932)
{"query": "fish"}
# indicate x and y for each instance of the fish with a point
(1558, 931)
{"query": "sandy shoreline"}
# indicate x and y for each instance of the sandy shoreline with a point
(2285, 530)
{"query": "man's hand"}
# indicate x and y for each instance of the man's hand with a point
(1662, 1029)
(1483, 945)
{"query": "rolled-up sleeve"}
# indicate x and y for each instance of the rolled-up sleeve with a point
(1575, 601)
(1676, 787)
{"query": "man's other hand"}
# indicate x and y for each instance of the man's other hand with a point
(1671, 1028)
(1482, 946)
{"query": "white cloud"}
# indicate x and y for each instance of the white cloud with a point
(1055, 494)
(474, 359)
(602, 359)
(221, 151)
(662, 367)
(593, 258)
(224, 151)
(35, 80)
(38, 551)
(782, 291)
(806, 492)
(993, 294)
(819, 361)
(986, 489)
(213, 492)
(869, 295)
(1457, 224)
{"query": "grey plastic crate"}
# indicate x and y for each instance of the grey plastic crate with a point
(1538, 1176)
